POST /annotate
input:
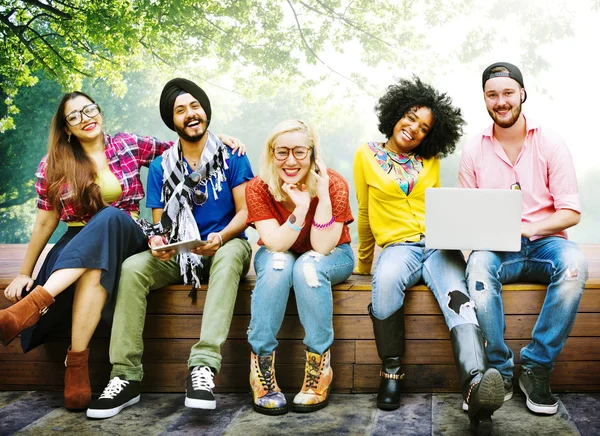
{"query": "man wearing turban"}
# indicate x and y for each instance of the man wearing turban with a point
(196, 190)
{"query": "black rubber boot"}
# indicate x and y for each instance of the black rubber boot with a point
(482, 388)
(389, 337)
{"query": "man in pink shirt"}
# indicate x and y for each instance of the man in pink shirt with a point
(516, 152)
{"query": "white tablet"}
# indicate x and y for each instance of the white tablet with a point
(181, 247)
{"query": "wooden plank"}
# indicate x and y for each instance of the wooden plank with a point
(11, 256)
(292, 351)
(418, 302)
(173, 375)
(440, 351)
(356, 327)
(176, 350)
(349, 327)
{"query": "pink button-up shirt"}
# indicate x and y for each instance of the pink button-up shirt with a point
(544, 170)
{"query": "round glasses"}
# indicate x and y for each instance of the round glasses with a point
(282, 153)
(75, 118)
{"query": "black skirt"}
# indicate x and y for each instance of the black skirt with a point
(109, 238)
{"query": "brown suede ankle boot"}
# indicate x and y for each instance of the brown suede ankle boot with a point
(78, 393)
(23, 314)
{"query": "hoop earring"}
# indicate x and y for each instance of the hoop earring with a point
(69, 138)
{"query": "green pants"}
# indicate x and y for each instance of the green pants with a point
(142, 273)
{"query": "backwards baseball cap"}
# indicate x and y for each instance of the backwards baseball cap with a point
(175, 88)
(513, 72)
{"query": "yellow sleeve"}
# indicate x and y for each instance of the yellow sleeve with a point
(366, 240)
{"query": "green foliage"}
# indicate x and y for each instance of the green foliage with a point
(536, 24)
(249, 39)
(22, 148)
(16, 223)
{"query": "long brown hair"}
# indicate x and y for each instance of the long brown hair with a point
(69, 168)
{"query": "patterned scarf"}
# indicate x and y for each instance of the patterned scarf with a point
(177, 220)
(405, 167)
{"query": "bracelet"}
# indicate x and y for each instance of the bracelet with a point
(290, 222)
(323, 226)
(220, 239)
(294, 226)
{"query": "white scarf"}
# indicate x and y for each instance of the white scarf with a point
(177, 220)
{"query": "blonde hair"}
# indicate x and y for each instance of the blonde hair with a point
(268, 168)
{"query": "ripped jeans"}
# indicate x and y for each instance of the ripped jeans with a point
(402, 265)
(311, 274)
(551, 260)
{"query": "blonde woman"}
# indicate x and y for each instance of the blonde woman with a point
(301, 211)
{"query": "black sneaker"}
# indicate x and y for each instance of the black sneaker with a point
(508, 393)
(116, 396)
(508, 389)
(198, 391)
(536, 387)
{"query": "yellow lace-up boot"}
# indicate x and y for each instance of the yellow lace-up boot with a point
(317, 379)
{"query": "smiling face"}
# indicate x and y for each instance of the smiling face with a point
(189, 118)
(292, 170)
(411, 129)
(90, 127)
(503, 100)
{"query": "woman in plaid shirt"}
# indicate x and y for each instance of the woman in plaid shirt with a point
(84, 171)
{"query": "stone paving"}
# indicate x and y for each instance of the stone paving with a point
(41, 413)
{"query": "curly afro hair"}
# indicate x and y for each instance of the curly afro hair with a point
(407, 94)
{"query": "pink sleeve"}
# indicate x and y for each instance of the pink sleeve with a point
(466, 170)
(562, 179)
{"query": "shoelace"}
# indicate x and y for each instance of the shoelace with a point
(266, 376)
(313, 374)
(540, 382)
(115, 386)
(202, 378)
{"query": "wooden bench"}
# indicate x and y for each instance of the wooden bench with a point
(173, 326)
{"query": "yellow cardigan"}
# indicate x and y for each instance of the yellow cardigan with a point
(385, 213)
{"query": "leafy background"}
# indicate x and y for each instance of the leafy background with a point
(260, 62)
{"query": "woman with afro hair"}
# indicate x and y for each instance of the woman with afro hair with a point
(421, 126)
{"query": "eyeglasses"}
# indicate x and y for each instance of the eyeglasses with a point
(75, 118)
(282, 153)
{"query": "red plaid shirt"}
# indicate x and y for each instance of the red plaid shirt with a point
(125, 153)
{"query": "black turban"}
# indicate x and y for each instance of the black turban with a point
(174, 88)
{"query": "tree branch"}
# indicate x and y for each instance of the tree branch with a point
(67, 5)
(26, 43)
(154, 54)
(333, 14)
(310, 49)
(57, 54)
(49, 8)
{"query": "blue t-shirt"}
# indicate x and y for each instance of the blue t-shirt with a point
(213, 215)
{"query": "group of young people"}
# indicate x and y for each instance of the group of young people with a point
(107, 262)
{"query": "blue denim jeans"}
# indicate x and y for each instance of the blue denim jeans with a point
(551, 260)
(402, 265)
(311, 274)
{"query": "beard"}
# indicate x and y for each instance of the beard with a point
(515, 112)
(192, 138)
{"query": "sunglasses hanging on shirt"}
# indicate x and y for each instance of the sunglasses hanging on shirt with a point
(198, 197)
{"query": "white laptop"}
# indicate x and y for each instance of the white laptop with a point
(473, 219)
